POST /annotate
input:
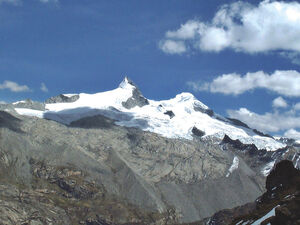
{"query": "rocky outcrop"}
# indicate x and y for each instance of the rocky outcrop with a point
(32, 207)
(237, 144)
(70, 180)
(62, 99)
(238, 122)
(137, 99)
(9, 121)
(207, 111)
(170, 113)
(280, 204)
(29, 104)
(261, 161)
(197, 132)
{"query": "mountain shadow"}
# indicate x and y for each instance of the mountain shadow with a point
(10, 122)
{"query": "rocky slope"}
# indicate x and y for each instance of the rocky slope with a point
(87, 167)
(279, 205)
(126, 174)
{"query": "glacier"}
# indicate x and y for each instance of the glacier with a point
(187, 113)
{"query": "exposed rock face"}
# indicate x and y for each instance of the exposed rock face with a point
(198, 132)
(283, 176)
(9, 121)
(122, 175)
(241, 124)
(238, 122)
(282, 197)
(169, 113)
(62, 98)
(237, 144)
(261, 161)
(149, 179)
(20, 206)
(30, 105)
(137, 98)
(198, 108)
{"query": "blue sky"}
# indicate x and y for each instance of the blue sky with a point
(226, 55)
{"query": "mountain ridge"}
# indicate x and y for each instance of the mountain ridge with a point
(128, 107)
(88, 167)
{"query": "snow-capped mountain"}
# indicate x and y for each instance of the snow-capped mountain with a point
(117, 149)
(181, 117)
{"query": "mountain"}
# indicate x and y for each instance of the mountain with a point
(174, 118)
(118, 158)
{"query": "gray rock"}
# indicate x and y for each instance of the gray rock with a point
(140, 172)
(209, 112)
(137, 98)
(29, 104)
(62, 98)
(169, 113)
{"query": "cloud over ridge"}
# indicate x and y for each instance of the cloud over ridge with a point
(267, 122)
(283, 82)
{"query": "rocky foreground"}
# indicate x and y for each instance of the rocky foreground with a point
(95, 172)
(279, 205)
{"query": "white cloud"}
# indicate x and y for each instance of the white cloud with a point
(293, 56)
(186, 31)
(2, 102)
(19, 2)
(297, 106)
(268, 122)
(279, 103)
(271, 25)
(284, 82)
(14, 87)
(13, 2)
(48, 1)
(172, 47)
(292, 133)
(44, 87)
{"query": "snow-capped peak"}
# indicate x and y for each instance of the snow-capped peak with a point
(127, 84)
(185, 96)
(173, 118)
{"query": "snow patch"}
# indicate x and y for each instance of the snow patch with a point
(234, 166)
(69, 95)
(296, 164)
(267, 169)
(30, 112)
(268, 215)
(18, 102)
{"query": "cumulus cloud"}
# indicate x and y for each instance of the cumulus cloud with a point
(268, 122)
(297, 106)
(14, 87)
(279, 103)
(292, 133)
(44, 87)
(268, 26)
(172, 47)
(283, 82)
(2, 102)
